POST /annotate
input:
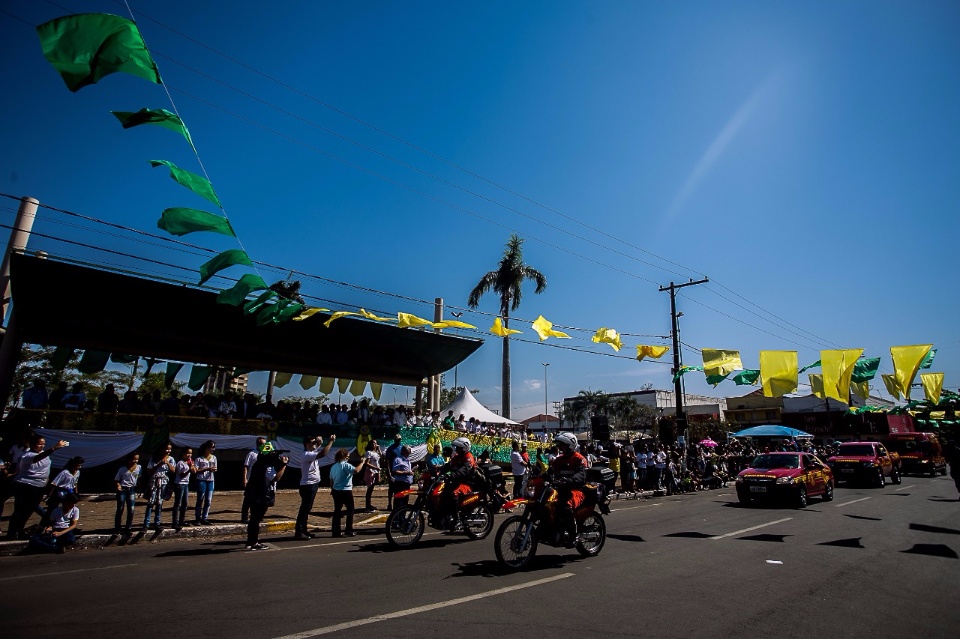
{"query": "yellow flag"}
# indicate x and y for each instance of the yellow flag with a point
(337, 316)
(357, 387)
(718, 362)
(326, 385)
(452, 324)
(937, 414)
(308, 381)
(309, 313)
(932, 386)
(544, 329)
(499, 330)
(778, 372)
(371, 316)
(816, 385)
(376, 388)
(406, 320)
(837, 367)
(861, 389)
(282, 379)
(891, 383)
(906, 363)
(656, 352)
(608, 336)
(342, 385)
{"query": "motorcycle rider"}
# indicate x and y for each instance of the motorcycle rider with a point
(568, 474)
(459, 471)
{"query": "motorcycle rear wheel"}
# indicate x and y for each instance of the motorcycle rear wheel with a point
(405, 527)
(593, 534)
(478, 523)
(513, 551)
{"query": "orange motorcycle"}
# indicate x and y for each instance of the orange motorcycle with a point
(518, 536)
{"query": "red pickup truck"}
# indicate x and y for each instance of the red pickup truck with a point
(865, 461)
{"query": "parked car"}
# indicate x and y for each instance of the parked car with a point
(920, 453)
(786, 477)
(869, 462)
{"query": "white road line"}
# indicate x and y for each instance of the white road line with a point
(737, 532)
(905, 487)
(415, 611)
(337, 543)
(847, 503)
(616, 510)
(65, 572)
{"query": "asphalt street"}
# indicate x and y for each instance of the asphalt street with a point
(873, 562)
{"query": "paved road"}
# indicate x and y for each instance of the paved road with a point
(874, 562)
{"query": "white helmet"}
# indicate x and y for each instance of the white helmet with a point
(461, 444)
(569, 439)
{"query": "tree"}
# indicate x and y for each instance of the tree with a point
(34, 363)
(507, 283)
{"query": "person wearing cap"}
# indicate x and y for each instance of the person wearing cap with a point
(392, 452)
(261, 490)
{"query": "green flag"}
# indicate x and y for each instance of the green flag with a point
(196, 183)
(684, 370)
(254, 306)
(160, 117)
(716, 379)
(180, 221)
(279, 312)
(87, 47)
(865, 369)
(746, 377)
(119, 358)
(173, 368)
(60, 357)
(248, 283)
(928, 360)
(230, 257)
(198, 377)
(809, 366)
(93, 362)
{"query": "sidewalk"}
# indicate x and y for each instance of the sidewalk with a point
(97, 518)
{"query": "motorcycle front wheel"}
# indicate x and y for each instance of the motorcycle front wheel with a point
(593, 534)
(516, 542)
(478, 523)
(405, 527)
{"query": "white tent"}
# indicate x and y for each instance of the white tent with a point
(465, 403)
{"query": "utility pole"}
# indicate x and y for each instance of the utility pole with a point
(681, 417)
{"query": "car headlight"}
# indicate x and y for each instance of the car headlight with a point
(785, 480)
(869, 463)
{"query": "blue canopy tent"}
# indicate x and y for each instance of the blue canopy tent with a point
(769, 430)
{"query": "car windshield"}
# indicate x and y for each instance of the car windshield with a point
(776, 461)
(903, 445)
(865, 450)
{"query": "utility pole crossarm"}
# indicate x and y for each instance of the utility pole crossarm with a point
(681, 418)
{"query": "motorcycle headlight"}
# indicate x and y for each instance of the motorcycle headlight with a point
(785, 480)
(530, 491)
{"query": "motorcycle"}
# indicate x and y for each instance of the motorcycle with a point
(518, 536)
(473, 514)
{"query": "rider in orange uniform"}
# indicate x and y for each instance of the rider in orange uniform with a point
(568, 474)
(460, 471)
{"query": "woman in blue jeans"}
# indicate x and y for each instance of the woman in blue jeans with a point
(181, 487)
(127, 477)
(206, 466)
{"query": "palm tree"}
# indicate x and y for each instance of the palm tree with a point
(506, 282)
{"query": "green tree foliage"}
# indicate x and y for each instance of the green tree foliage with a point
(35, 364)
(507, 283)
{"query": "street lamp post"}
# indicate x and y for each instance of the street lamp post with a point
(545, 409)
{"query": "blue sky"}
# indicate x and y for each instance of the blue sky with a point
(804, 156)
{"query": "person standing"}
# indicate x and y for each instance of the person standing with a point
(206, 465)
(389, 455)
(159, 470)
(248, 463)
(126, 480)
(519, 468)
(261, 490)
(371, 474)
(310, 480)
(402, 472)
(341, 480)
(181, 487)
(31, 482)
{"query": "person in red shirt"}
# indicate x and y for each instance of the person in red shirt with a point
(460, 471)
(568, 474)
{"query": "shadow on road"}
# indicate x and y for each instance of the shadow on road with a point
(630, 538)
(492, 568)
(690, 535)
(864, 517)
(429, 543)
(765, 537)
(933, 550)
(940, 499)
(196, 552)
(852, 542)
(934, 529)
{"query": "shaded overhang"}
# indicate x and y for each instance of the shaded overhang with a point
(59, 304)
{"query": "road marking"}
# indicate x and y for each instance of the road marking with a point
(616, 510)
(340, 543)
(905, 487)
(737, 532)
(66, 572)
(847, 503)
(415, 611)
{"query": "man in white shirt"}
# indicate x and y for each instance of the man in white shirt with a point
(659, 464)
(518, 467)
(310, 480)
(248, 463)
(642, 467)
